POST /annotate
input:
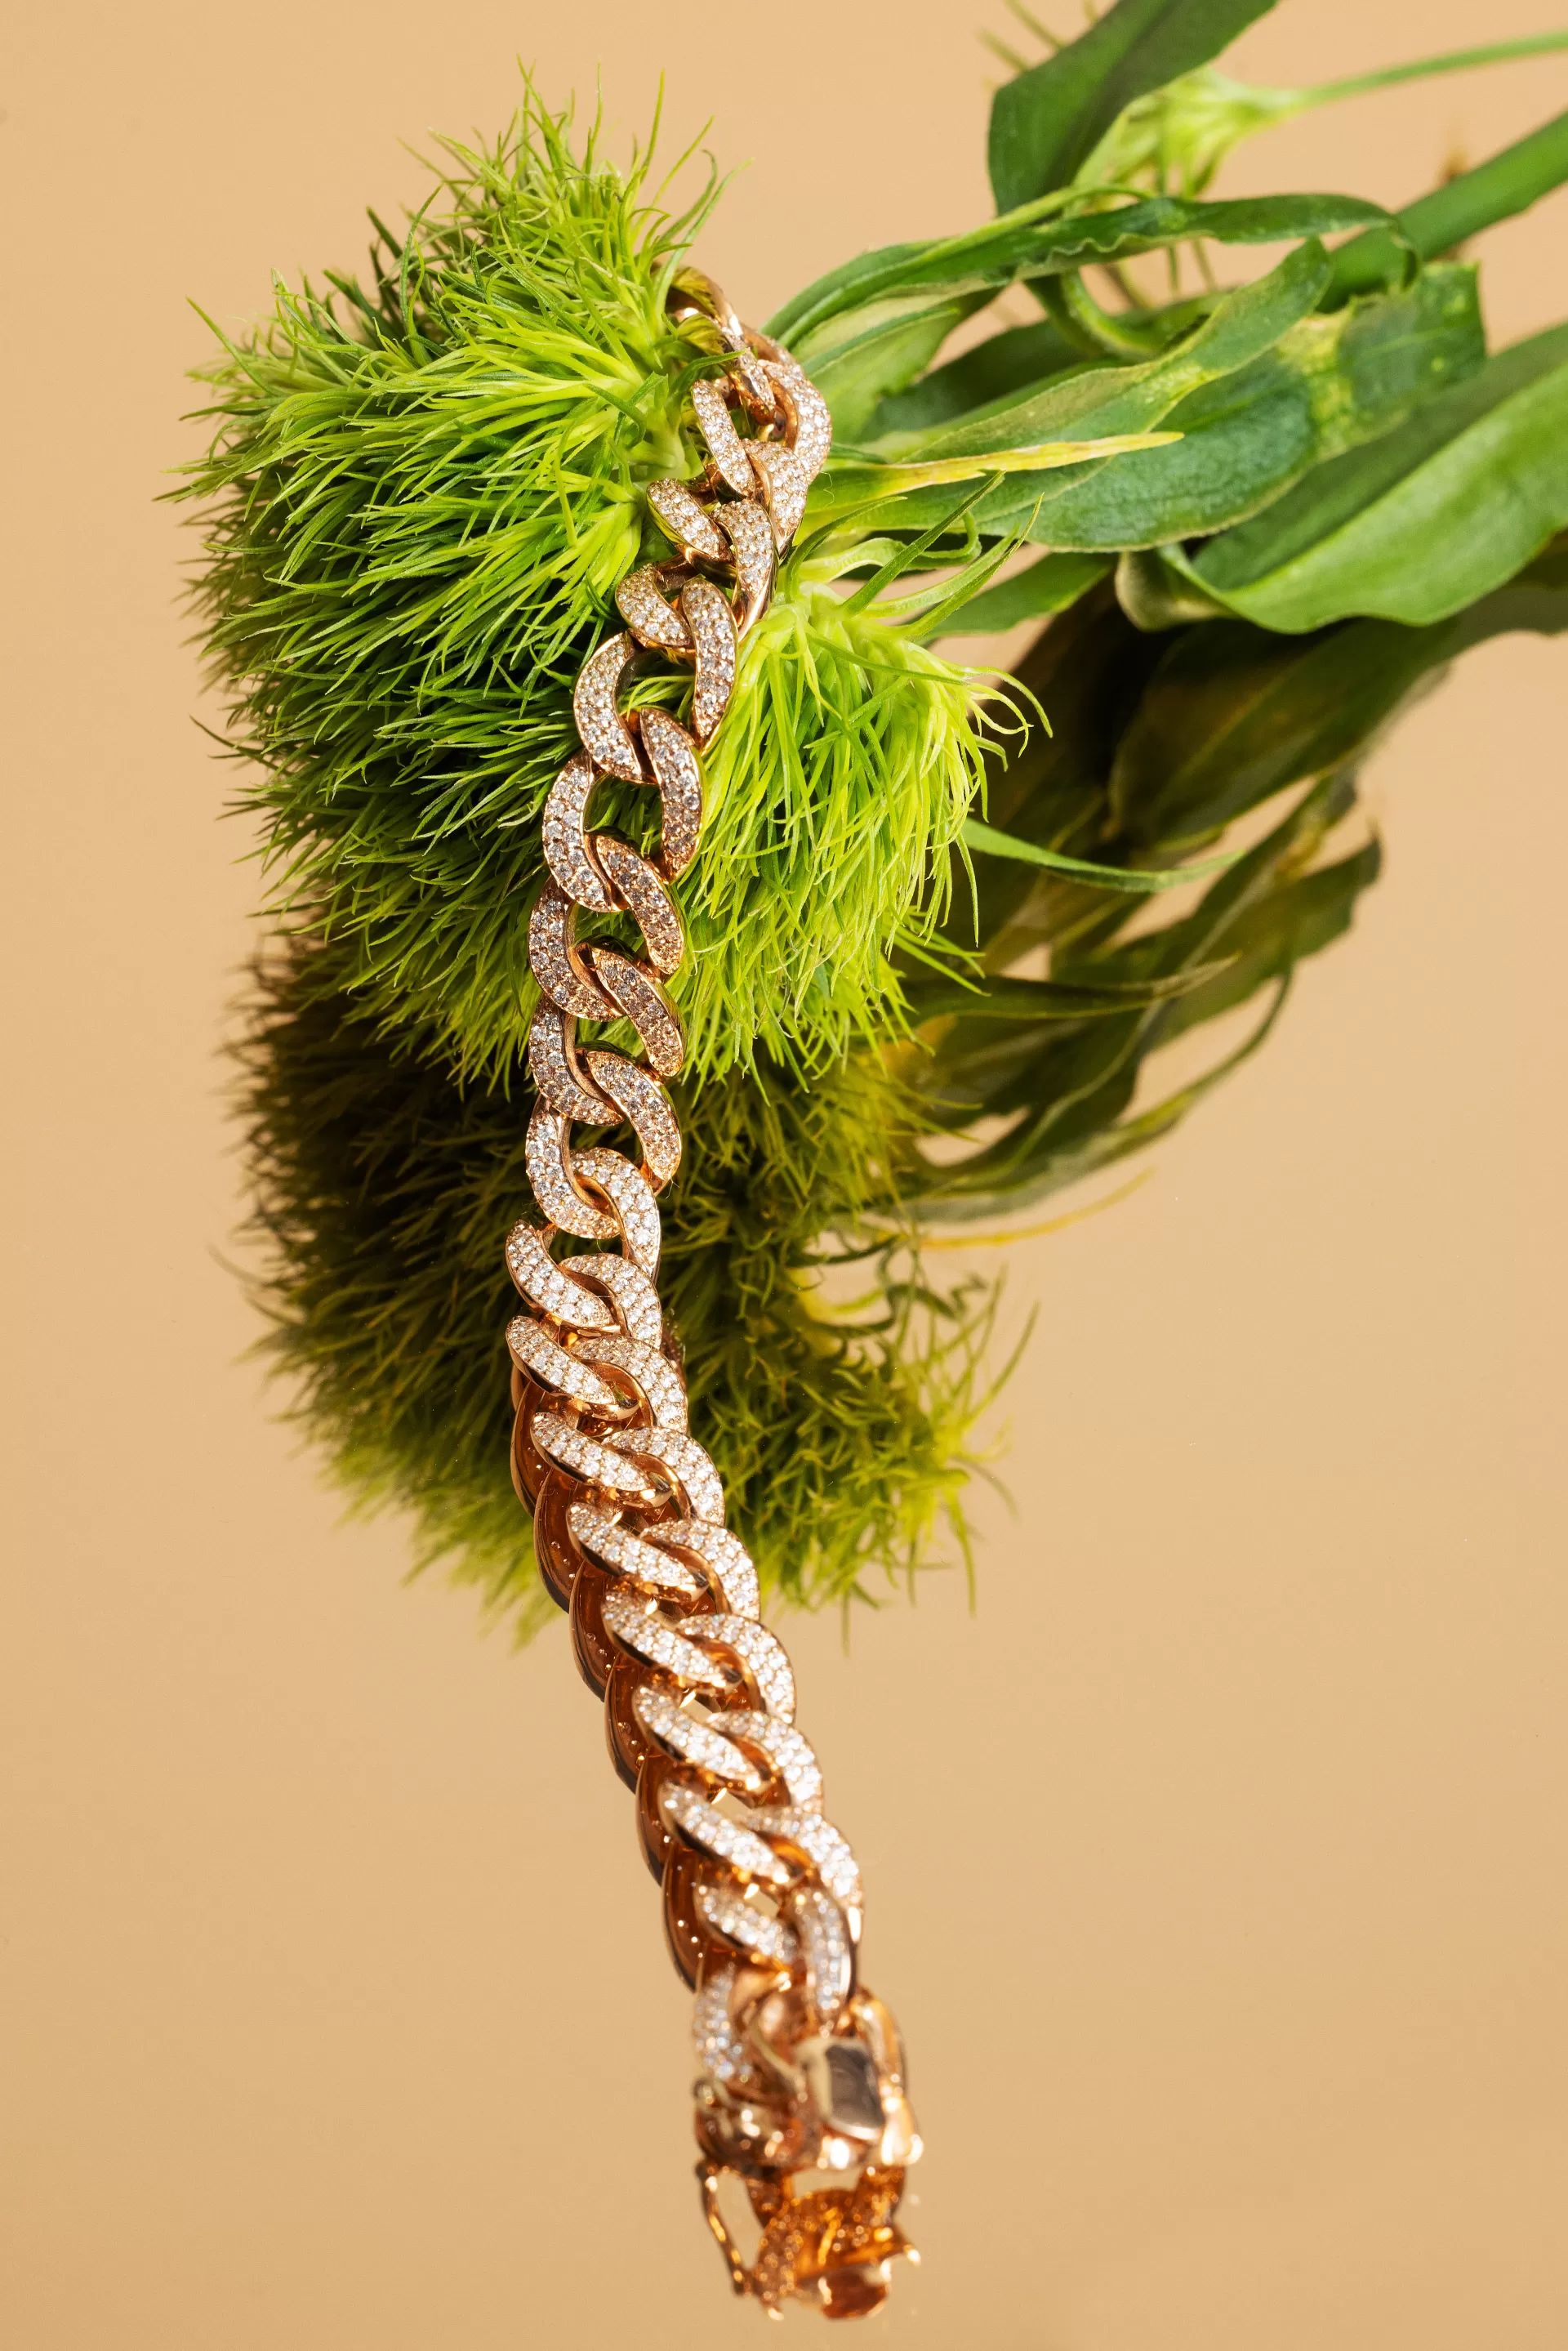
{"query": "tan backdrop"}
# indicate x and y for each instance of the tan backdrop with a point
(1258, 1724)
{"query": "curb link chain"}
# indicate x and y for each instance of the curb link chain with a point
(801, 2071)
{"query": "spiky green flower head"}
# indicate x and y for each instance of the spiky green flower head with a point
(422, 493)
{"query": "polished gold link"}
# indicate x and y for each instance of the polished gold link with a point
(797, 2063)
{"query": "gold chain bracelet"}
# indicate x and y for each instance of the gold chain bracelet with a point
(801, 2071)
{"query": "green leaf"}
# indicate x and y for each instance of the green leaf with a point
(1098, 400)
(1418, 524)
(1099, 1139)
(1328, 385)
(1046, 121)
(1235, 714)
(992, 843)
(1004, 364)
(1299, 919)
(1057, 1000)
(849, 489)
(1240, 328)
(1073, 1085)
(1036, 242)
(857, 360)
(1049, 585)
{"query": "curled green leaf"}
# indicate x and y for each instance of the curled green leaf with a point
(1133, 880)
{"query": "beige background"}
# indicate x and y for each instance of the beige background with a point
(336, 2011)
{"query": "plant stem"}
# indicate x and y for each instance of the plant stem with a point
(1495, 53)
(1507, 183)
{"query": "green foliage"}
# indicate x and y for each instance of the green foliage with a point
(419, 500)
(1327, 385)
(1419, 523)
(1505, 185)
(1235, 714)
(1050, 116)
(1182, 132)
(383, 1187)
(420, 495)
(383, 1190)
(1159, 745)
(1056, 235)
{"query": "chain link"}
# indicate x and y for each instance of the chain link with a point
(800, 2069)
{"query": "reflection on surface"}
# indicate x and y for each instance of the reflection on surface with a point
(383, 1187)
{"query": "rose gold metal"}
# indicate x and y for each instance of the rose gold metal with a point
(800, 2071)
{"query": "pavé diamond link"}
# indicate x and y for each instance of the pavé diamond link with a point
(674, 758)
(696, 1742)
(644, 1563)
(550, 1286)
(642, 1550)
(747, 1926)
(651, 618)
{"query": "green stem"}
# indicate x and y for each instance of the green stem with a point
(1326, 93)
(1509, 183)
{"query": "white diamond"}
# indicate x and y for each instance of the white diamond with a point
(567, 1443)
(717, 1833)
(674, 758)
(655, 1375)
(547, 1285)
(690, 526)
(712, 629)
(722, 1552)
(744, 1923)
(826, 1946)
(551, 955)
(645, 1004)
(639, 1097)
(637, 1624)
(644, 894)
(728, 449)
(719, 2050)
(552, 1065)
(629, 1193)
(824, 1846)
(534, 1350)
(635, 1300)
(787, 1751)
(695, 1742)
(607, 1539)
(545, 1155)
(650, 619)
(600, 725)
(565, 848)
(686, 1463)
